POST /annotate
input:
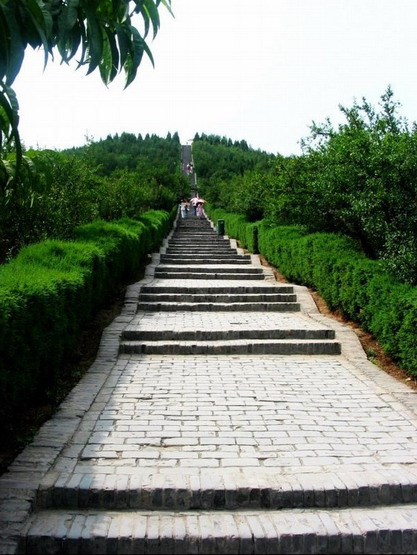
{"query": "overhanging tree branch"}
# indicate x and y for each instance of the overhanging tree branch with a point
(101, 33)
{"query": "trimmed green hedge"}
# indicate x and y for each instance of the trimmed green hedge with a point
(51, 289)
(347, 280)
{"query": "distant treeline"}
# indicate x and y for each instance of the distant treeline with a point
(358, 179)
(121, 176)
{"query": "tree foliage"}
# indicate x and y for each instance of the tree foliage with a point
(358, 178)
(56, 191)
(108, 35)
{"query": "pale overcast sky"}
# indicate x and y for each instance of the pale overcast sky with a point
(255, 70)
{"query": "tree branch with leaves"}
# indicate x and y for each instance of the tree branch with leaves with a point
(102, 34)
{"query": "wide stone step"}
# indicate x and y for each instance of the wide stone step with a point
(191, 251)
(203, 236)
(215, 335)
(359, 530)
(194, 242)
(209, 246)
(190, 230)
(196, 268)
(205, 275)
(227, 255)
(194, 228)
(195, 231)
(206, 246)
(234, 347)
(197, 254)
(255, 487)
(217, 298)
(222, 289)
(217, 307)
(214, 243)
(201, 260)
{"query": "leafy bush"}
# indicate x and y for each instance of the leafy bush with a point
(51, 289)
(357, 286)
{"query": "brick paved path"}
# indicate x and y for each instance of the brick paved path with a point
(223, 414)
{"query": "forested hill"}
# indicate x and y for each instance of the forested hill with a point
(128, 151)
(221, 165)
(221, 158)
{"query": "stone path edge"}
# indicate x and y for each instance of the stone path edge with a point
(19, 485)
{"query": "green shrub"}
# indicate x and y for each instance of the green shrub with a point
(50, 290)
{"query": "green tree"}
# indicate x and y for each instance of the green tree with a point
(103, 34)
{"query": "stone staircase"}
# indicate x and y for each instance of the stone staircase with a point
(195, 251)
(227, 451)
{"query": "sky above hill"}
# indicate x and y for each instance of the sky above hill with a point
(256, 70)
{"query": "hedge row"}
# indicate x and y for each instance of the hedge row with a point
(51, 289)
(348, 281)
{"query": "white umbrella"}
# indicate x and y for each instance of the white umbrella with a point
(197, 200)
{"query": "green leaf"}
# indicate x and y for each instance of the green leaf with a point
(95, 40)
(153, 13)
(123, 38)
(114, 54)
(36, 16)
(69, 16)
(138, 49)
(110, 60)
(9, 104)
(15, 50)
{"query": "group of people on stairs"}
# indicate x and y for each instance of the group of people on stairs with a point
(193, 207)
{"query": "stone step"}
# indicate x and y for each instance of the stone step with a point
(225, 253)
(217, 298)
(233, 347)
(204, 275)
(199, 237)
(214, 243)
(221, 247)
(196, 224)
(197, 256)
(351, 530)
(180, 260)
(220, 290)
(191, 251)
(255, 487)
(195, 268)
(144, 306)
(194, 228)
(214, 335)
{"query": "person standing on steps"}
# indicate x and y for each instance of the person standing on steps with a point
(200, 207)
(184, 206)
(193, 204)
